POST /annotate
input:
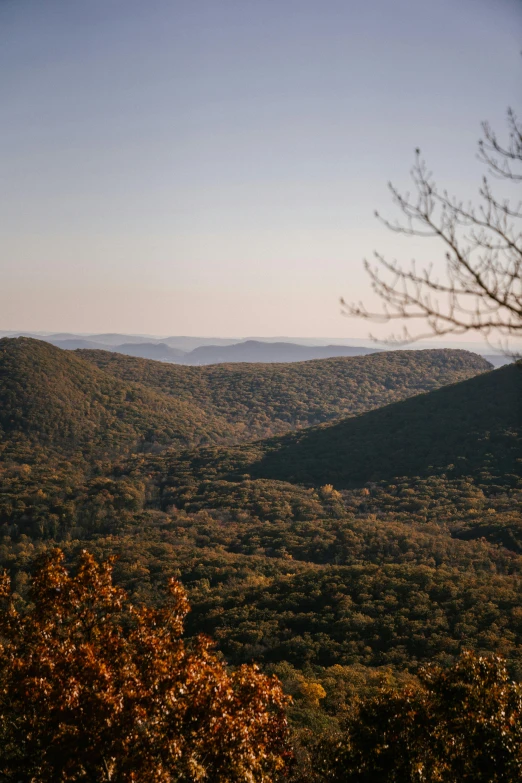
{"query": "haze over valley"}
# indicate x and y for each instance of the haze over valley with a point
(201, 350)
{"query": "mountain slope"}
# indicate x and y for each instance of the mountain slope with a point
(267, 399)
(55, 400)
(472, 428)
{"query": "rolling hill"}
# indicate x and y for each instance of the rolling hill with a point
(266, 399)
(94, 410)
(56, 401)
(61, 401)
(301, 551)
(468, 428)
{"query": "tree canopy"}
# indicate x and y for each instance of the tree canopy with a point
(95, 688)
(458, 724)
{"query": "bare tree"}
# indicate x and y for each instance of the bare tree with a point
(482, 288)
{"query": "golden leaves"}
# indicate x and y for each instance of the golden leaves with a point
(93, 687)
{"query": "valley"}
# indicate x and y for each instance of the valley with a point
(336, 522)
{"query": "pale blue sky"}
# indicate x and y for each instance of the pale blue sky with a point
(212, 166)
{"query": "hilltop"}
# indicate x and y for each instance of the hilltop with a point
(56, 402)
(268, 399)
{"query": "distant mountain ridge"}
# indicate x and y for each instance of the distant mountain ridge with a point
(211, 350)
(256, 351)
(158, 351)
(247, 351)
(196, 353)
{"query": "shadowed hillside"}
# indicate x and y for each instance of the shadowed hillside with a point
(471, 426)
(467, 428)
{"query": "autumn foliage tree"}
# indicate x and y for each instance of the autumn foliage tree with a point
(93, 688)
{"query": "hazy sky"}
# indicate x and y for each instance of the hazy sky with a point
(212, 166)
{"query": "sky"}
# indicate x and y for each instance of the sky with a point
(212, 167)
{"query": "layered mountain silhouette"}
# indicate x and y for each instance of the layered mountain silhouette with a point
(257, 351)
(158, 351)
(246, 351)
(75, 343)
(148, 350)
(191, 351)
(212, 350)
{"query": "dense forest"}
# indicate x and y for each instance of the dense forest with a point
(466, 428)
(341, 523)
(259, 400)
(52, 400)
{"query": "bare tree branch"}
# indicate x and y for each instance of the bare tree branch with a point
(481, 290)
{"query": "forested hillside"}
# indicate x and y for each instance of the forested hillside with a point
(472, 428)
(338, 557)
(385, 571)
(267, 399)
(66, 403)
(55, 401)
(467, 428)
